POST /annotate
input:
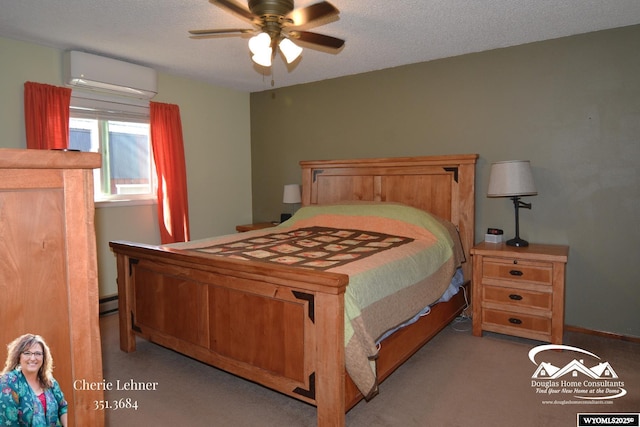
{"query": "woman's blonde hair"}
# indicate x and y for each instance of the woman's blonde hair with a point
(22, 344)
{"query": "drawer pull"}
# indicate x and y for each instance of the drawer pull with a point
(515, 321)
(515, 297)
(515, 272)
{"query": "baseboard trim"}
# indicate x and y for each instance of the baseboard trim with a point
(602, 334)
(108, 304)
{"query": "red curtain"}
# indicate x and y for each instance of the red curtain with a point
(46, 116)
(168, 151)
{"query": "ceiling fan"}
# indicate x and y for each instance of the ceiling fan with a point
(276, 24)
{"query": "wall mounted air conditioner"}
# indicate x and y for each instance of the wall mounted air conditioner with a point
(97, 73)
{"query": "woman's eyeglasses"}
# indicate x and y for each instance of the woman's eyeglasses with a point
(37, 354)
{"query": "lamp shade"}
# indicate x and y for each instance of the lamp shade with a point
(263, 58)
(291, 194)
(259, 43)
(260, 47)
(511, 178)
(290, 50)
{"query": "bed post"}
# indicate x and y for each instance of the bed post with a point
(467, 220)
(330, 366)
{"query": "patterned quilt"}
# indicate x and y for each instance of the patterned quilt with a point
(319, 248)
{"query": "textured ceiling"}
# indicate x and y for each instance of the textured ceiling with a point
(379, 34)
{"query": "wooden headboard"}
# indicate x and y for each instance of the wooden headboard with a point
(442, 185)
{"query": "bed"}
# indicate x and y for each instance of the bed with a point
(283, 326)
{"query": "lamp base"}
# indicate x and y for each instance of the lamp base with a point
(516, 241)
(284, 217)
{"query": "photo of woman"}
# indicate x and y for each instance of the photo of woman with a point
(29, 395)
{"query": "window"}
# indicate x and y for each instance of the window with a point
(122, 137)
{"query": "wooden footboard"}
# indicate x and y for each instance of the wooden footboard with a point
(280, 327)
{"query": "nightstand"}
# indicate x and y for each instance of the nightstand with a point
(519, 290)
(256, 226)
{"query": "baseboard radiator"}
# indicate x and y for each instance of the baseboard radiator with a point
(108, 304)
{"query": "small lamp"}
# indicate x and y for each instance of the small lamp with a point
(513, 179)
(291, 196)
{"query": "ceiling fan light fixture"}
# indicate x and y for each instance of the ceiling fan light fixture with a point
(258, 44)
(263, 58)
(290, 50)
(260, 47)
(273, 22)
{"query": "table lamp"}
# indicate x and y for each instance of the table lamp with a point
(290, 197)
(513, 179)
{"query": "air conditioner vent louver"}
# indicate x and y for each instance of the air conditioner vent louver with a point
(107, 75)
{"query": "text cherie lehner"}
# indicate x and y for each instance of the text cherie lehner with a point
(130, 385)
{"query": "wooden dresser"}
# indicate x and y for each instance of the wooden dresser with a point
(519, 291)
(48, 266)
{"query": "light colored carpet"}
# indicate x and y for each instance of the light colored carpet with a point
(455, 380)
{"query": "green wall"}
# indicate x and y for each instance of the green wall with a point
(215, 125)
(571, 106)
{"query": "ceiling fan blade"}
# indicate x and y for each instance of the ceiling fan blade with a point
(235, 8)
(317, 39)
(316, 12)
(208, 34)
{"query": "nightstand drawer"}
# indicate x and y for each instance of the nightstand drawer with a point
(517, 270)
(517, 297)
(518, 321)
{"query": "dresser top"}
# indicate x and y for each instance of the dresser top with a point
(11, 158)
(533, 251)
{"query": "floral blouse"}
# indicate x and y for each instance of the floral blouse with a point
(19, 405)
